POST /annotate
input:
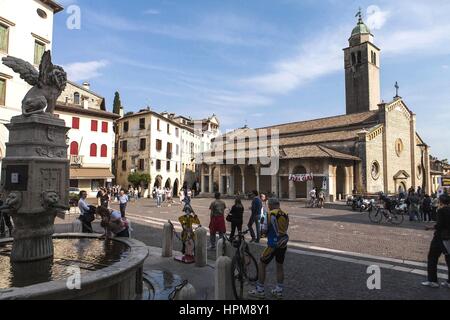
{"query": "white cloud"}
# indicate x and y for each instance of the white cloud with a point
(376, 18)
(81, 71)
(315, 59)
(152, 12)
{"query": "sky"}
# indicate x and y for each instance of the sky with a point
(257, 62)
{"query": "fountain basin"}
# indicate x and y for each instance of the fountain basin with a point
(111, 270)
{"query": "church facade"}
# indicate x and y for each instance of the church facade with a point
(373, 148)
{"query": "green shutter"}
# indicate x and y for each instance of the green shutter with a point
(4, 38)
(2, 92)
(39, 50)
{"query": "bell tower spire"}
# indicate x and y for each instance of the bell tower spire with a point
(362, 70)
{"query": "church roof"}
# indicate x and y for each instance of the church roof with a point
(314, 151)
(344, 121)
(361, 28)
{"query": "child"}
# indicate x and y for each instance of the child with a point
(187, 235)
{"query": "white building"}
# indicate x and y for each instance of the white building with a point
(161, 145)
(26, 31)
(91, 137)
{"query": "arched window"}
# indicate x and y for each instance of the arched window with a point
(93, 150)
(375, 58)
(76, 98)
(74, 148)
(104, 151)
(359, 57)
(353, 58)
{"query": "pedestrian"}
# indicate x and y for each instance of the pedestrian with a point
(277, 241)
(159, 194)
(217, 223)
(264, 213)
(123, 202)
(181, 195)
(104, 199)
(426, 208)
(255, 218)
(236, 217)
(434, 207)
(115, 226)
(414, 207)
(439, 244)
(86, 215)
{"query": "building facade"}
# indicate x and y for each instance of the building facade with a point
(90, 139)
(161, 144)
(373, 148)
(25, 33)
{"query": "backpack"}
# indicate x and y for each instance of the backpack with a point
(283, 226)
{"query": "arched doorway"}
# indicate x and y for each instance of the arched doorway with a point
(176, 187)
(250, 179)
(237, 179)
(158, 182)
(168, 184)
(341, 180)
(300, 187)
(215, 179)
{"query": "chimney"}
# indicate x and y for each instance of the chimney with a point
(86, 85)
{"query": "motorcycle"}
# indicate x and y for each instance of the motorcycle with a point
(356, 203)
(367, 205)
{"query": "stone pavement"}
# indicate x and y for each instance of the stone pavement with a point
(310, 274)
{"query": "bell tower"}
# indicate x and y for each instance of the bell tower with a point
(362, 70)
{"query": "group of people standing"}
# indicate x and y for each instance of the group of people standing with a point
(269, 221)
(421, 206)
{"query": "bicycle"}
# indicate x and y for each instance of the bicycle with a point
(392, 216)
(243, 266)
(312, 203)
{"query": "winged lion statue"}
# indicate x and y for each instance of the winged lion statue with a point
(48, 83)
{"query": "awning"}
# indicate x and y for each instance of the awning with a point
(90, 173)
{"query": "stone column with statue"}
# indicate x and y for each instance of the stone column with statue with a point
(36, 167)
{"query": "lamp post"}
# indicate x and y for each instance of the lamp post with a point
(423, 147)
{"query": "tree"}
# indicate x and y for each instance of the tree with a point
(117, 105)
(137, 178)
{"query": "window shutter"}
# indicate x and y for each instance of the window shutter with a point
(4, 33)
(2, 92)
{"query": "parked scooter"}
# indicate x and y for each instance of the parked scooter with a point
(367, 205)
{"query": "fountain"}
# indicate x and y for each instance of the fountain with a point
(35, 180)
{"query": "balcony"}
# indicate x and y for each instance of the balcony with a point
(76, 161)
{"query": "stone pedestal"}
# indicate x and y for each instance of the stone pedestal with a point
(201, 250)
(35, 181)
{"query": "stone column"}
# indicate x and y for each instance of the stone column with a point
(274, 180)
(222, 281)
(243, 179)
(201, 249)
(210, 181)
(167, 241)
(202, 179)
(221, 189)
(257, 180)
(280, 188)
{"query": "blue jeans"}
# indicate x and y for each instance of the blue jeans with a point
(158, 201)
(123, 207)
(257, 221)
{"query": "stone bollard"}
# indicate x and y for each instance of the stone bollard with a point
(222, 281)
(229, 250)
(77, 226)
(186, 293)
(201, 250)
(167, 241)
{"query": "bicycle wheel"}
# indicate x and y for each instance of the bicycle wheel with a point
(376, 216)
(237, 278)
(251, 266)
(397, 218)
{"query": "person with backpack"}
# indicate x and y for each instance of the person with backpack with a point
(440, 244)
(277, 241)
